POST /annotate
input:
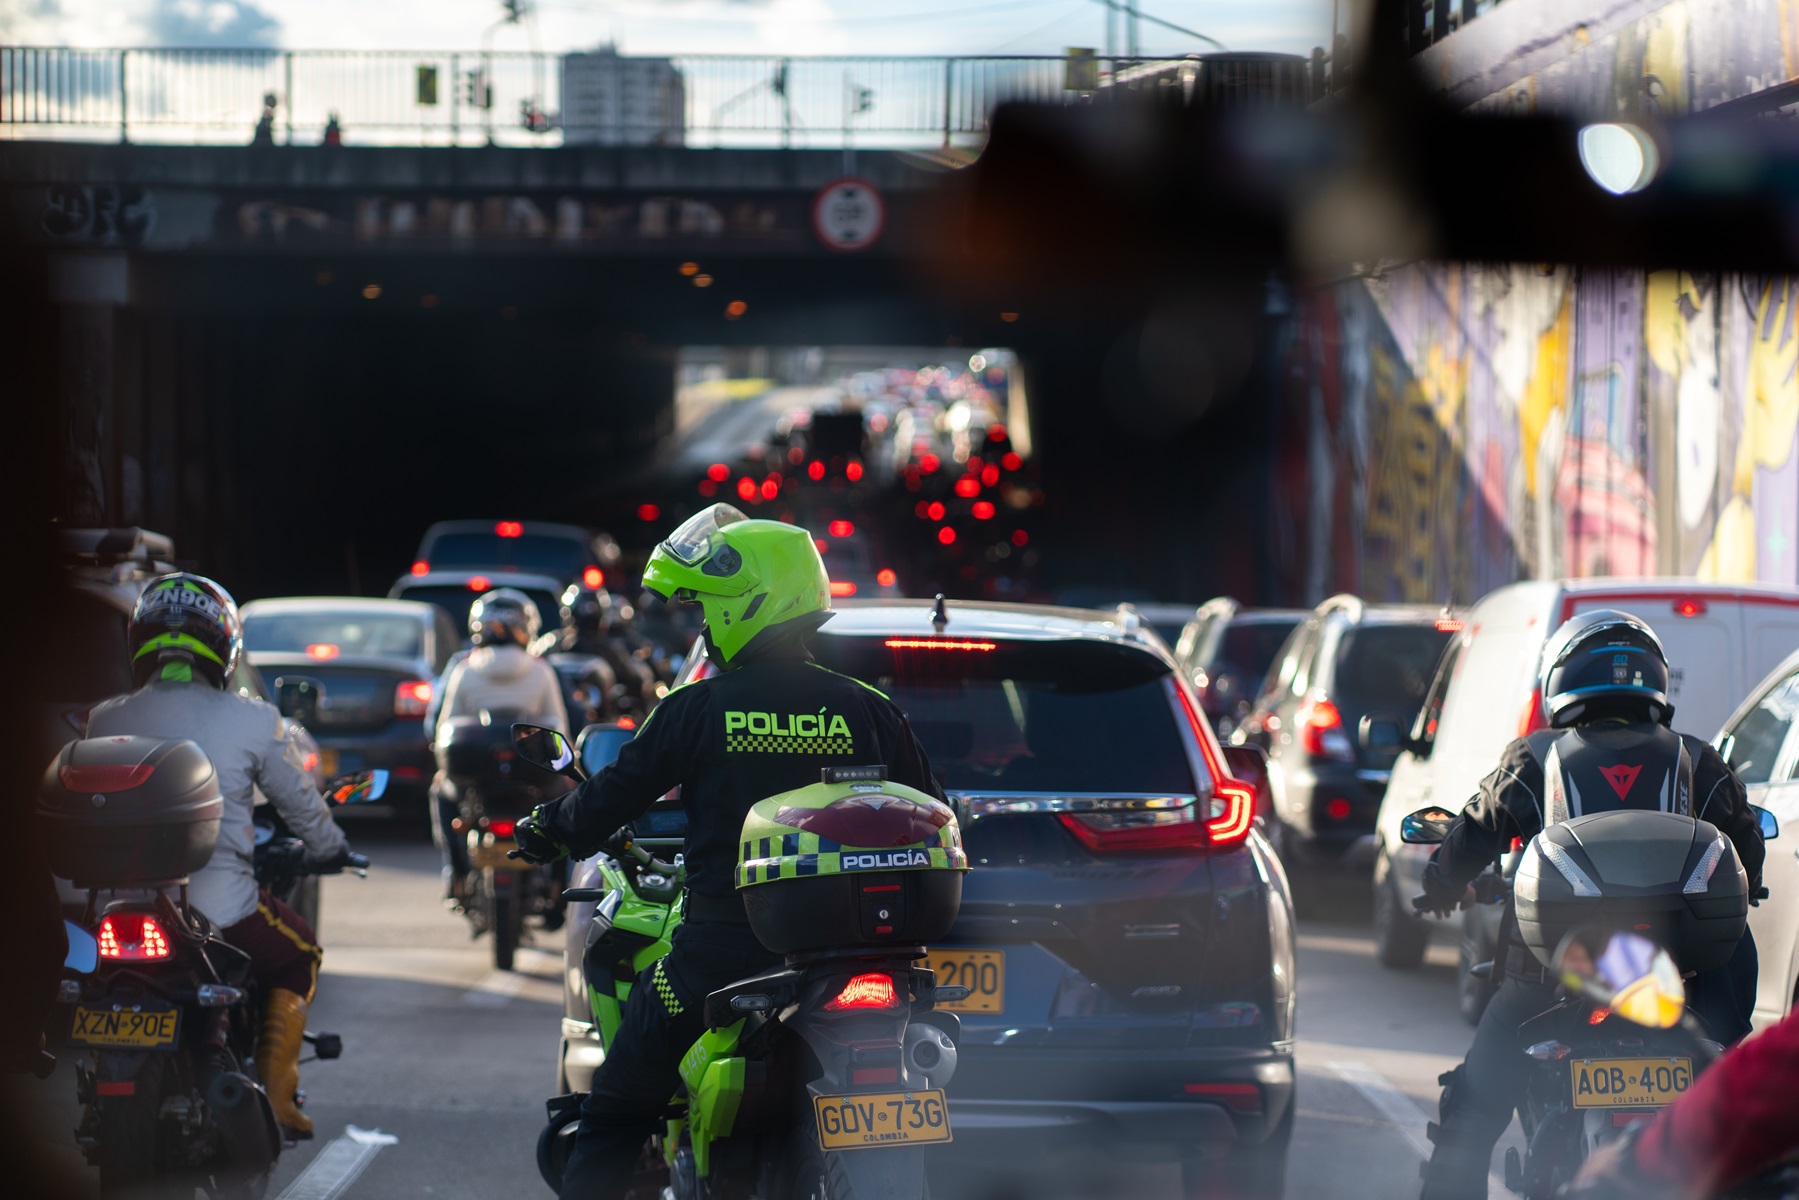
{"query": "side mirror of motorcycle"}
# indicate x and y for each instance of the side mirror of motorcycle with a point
(546, 748)
(358, 787)
(1625, 971)
(84, 950)
(1426, 827)
(598, 745)
(1769, 825)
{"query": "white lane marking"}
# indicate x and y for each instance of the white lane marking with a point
(336, 1167)
(496, 991)
(1400, 1109)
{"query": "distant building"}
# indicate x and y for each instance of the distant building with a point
(611, 100)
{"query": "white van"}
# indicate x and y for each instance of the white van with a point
(1722, 639)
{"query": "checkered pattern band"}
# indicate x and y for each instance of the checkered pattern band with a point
(665, 991)
(797, 855)
(770, 743)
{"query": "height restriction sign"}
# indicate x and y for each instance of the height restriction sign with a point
(848, 214)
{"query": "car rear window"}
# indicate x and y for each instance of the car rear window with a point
(455, 601)
(565, 557)
(1031, 717)
(354, 634)
(1387, 666)
(1248, 647)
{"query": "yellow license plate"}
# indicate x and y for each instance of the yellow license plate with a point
(881, 1119)
(147, 1029)
(1630, 1082)
(982, 972)
(328, 763)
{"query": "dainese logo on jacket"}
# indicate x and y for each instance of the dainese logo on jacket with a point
(821, 732)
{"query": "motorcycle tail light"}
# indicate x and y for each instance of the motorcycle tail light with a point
(1598, 1016)
(128, 936)
(1549, 1051)
(873, 990)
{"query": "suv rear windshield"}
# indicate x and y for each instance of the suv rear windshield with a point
(355, 634)
(456, 600)
(1248, 647)
(563, 557)
(1387, 666)
(1030, 716)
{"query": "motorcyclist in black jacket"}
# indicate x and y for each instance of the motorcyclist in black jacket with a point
(1604, 681)
(766, 725)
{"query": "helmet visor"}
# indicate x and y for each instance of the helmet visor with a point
(694, 541)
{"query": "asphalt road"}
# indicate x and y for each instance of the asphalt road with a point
(447, 1063)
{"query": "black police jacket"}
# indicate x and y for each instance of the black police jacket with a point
(1512, 800)
(757, 730)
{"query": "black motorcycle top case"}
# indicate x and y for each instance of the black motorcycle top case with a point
(126, 811)
(1670, 876)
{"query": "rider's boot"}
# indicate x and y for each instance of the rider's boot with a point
(278, 1059)
(1460, 1153)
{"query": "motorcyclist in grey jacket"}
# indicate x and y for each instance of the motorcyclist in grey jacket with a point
(185, 639)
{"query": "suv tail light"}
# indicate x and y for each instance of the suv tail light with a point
(873, 990)
(412, 698)
(1531, 719)
(132, 936)
(1321, 732)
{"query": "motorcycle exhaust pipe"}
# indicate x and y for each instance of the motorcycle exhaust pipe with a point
(245, 1120)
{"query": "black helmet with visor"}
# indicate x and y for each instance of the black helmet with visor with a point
(1604, 663)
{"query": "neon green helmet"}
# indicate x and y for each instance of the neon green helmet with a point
(749, 577)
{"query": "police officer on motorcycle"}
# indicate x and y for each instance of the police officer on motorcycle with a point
(185, 640)
(763, 589)
(1604, 683)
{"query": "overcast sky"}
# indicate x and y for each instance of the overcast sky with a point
(664, 26)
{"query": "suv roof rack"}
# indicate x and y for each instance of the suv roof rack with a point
(1345, 603)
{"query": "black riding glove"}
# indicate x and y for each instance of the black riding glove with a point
(1441, 896)
(537, 840)
(330, 864)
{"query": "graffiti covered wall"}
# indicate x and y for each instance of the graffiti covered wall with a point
(1448, 429)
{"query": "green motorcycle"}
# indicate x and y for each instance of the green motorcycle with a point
(824, 1078)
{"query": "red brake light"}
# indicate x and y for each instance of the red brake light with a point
(1598, 1016)
(593, 577)
(946, 535)
(1449, 624)
(815, 470)
(1337, 808)
(479, 583)
(421, 567)
(718, 472)
(968, 486)
(842, 587)
(771, 487)
(322, 651)
(1020, 537)
(412, 698)
(626, 723)
(105, 777)
(1532, 719)
(1233, 801)
(871, 991)
(929, 463)
(996, 433)
(501, 828)
(1011, 462)
(1321, 732)
(939, 644)
(841, 528)
(885, 577)
(989, 476)
(982, 510)
(935, 510)
(510, 529)
(1244, 1097)
(853, 472)
(746, 488)
(648, 512)
(1690, 606)
(132, 936)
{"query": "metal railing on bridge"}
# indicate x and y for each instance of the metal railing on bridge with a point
(221, 96)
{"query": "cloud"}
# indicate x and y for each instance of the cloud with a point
(210, 23)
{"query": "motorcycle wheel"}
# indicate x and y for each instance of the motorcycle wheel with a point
(128, 1128)
(508, 923)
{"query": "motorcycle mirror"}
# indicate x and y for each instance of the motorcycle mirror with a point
(84, 950)
(358, 787)
(1426, 827)
(546, 748)
(1769, 826)
(599, 745)
(1625, 971)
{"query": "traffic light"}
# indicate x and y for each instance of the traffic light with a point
(477, 92)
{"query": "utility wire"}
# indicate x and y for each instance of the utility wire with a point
(881, 19)
(1117, 6)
